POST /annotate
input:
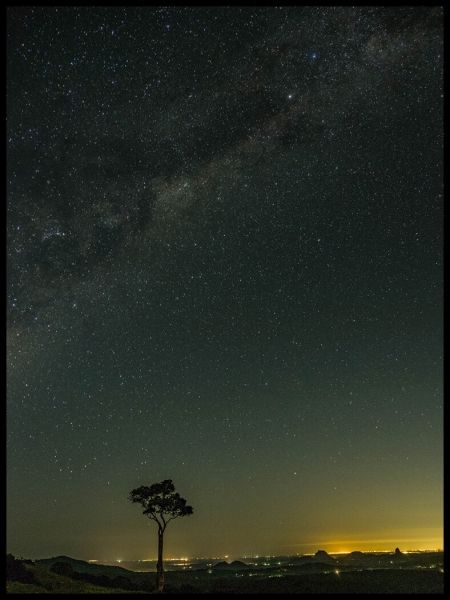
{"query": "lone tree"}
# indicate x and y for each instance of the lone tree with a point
(162, 504)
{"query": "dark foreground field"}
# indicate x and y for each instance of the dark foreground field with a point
(357, 582)
(38, 579)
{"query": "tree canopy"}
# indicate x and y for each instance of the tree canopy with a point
(160, 501)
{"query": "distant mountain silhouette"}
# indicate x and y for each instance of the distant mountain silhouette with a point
(324, 557)
(221, 565)
(398, 555)
(371, 559)
(356, 554)
(319, 557)
(236, 564)
(355, 558)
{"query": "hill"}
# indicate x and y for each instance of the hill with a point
(233, 566)
(81, 566)
(324, 557)
(37, 579)
(319, 557)
(221, 565)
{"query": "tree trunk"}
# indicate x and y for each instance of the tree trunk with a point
(159, 566)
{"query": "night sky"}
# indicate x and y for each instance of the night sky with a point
(224, 268)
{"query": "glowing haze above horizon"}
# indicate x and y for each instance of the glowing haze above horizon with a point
(225, 269)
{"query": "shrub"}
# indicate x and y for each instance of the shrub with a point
(124, 583)
(63, 568)
(17, 571)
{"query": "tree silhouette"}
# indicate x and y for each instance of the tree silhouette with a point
(161, 504)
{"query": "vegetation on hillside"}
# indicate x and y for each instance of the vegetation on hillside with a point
(24, 577)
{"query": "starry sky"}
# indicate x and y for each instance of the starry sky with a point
(224, 268)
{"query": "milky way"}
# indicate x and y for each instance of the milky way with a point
(224, 261)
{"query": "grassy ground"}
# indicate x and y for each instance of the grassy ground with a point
(47, 582)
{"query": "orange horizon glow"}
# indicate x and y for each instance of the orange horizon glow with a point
(345, 547)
